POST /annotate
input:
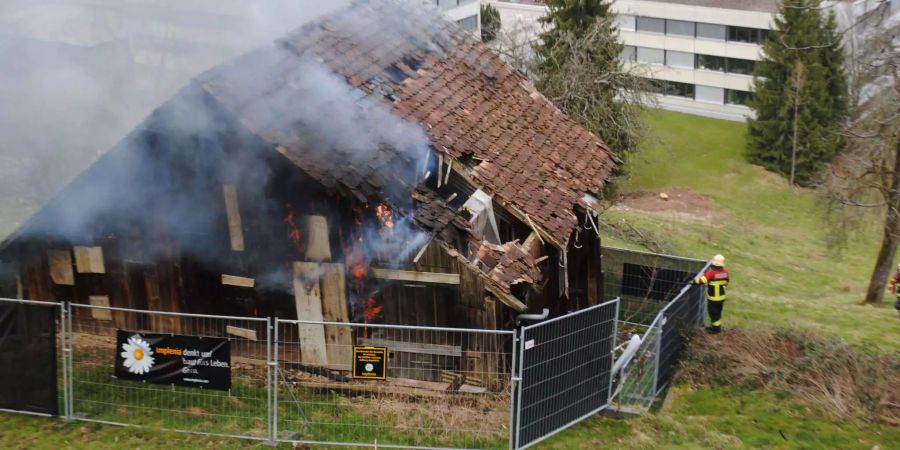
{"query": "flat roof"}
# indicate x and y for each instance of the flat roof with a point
(746, 5)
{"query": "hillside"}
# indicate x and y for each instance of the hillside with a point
(774, 238)
(784, 277)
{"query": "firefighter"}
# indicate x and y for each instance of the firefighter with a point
(715, 279)
(894, 287)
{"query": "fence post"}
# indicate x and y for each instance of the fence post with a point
(67, 353)
(269, 394)
(275, 382)
(615, 338)
(65, 363)
(513, 383)
(659, 336)
(519, 378)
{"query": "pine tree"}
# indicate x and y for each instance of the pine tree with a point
(801, 94)
(579, 69)
(490, 22)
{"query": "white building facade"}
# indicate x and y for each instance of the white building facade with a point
(702, 52)
(466, 13)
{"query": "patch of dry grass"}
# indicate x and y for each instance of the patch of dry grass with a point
(827, 372)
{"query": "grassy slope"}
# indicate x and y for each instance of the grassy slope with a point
(773, 238)
(784, 275)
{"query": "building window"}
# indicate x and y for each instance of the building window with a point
(625, 22)
(709, 94)
(629, 53)
(678, 89)
(710, 62)
(651, 25)
(733, 97)
(469, 23)
(679, 59)
(742, 34)
(741, 66)
(711, 31)
(651, 55)
(679, 28)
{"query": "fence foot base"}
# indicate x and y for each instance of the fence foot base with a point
(621, 412)
(288, 436)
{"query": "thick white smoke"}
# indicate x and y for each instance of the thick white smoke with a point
(84, 74)
(77, 75)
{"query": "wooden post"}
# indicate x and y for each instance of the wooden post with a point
(308, 299)
(338, 339)
(318, 245)
(232, 209)
(19, 291)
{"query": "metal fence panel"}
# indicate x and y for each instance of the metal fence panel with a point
(637, 380)
(566, 365)
(445, 388)
(97, 395)
(677, 319)
(644, 282)
(31, 381)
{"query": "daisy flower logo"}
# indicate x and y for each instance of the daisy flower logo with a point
(137, 354)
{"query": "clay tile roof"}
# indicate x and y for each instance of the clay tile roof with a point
(504, 136)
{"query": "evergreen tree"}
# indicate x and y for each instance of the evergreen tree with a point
(801, 94)
(578, 68)
(490, 22)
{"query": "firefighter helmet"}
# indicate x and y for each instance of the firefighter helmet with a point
(718, 260)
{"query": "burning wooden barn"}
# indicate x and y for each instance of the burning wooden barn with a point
(373, 166)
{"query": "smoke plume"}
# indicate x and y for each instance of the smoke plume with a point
(83, 74)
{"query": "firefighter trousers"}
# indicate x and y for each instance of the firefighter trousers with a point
(714, 308)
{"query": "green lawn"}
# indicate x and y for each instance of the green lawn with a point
(728, 419)
(774, 238)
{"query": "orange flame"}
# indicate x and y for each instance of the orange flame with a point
(385, 215)
(356, 263)
(294, 233)
(371, 310)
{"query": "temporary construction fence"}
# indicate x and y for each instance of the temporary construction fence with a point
(564, 372)
(97, 393)
(659, 303)
(30, 343)
(442, 387)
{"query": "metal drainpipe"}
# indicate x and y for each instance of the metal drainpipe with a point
(543, 315)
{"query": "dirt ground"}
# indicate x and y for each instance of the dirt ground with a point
(682, 203)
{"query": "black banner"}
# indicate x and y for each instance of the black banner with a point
(28, 357)
(370, 363)
(193, 361)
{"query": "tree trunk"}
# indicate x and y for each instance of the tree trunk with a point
(885, 260)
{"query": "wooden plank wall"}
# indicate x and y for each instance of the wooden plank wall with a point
(461, 306)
